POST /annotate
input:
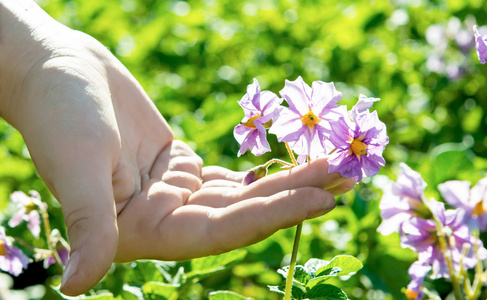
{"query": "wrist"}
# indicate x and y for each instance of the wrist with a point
(23, 46)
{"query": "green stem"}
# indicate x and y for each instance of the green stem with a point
(477, 286)
(444, 246)
(47, 228)
(297, 237)
(275, 160)
(295, 163)
(292, 265)
(449, 261)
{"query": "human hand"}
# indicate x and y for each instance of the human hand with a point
(127, 189)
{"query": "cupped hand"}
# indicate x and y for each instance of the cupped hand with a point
(128, 190)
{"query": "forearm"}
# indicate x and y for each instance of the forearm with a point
(23, 25)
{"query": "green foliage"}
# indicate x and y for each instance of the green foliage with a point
(309, 280)
(226, 295)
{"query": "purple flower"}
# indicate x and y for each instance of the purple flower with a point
(402, 200)
(12, 260)
(304, 125)
(418, 271)
(421, 235)
(28, 210)
(362, 106)
(359, 145)
(63, 253)
(474, 202)
(480, 45)
(259, 110)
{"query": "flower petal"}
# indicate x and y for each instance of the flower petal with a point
(298, 95)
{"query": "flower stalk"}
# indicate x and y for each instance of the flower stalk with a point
(50, 243)
(294, 254)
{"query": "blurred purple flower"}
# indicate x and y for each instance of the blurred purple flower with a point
(359, 146)
(418, 271)
(12, 260)
(421, 236)
(480, 45)
(63, 253)
(259, 110)
(304, 125)
(402, 200)
(28, 210)
(474, 202)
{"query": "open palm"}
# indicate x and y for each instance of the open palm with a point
(128, 189)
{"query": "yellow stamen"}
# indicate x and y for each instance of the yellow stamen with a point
(358, 147)
(250, 122)
(410, 294)
(2, 248)
(310, 119)
(479, 209)
(30, 207)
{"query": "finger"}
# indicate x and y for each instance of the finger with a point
(218, 173)
(221, 183)
(214, 196)
(177, 157)
(86, 197)
(342, 188)
(203, 231)
(183, 180)
(312, 174)
(71, 137)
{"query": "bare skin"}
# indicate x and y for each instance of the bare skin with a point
(128, 189)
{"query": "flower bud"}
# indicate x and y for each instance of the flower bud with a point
(255, 174)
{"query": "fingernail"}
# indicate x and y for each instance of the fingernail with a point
(71, 267)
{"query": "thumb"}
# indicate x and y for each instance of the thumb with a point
(80, 178)
(93, 235)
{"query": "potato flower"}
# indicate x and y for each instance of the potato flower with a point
(359, 145)
(304, 125)
(473, 201)
(28, 210)
(259, 110)
(421, 235)
(12, 259)
(480, 45)
(402, 200)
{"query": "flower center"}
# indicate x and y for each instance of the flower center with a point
(358, 148)
(479, 209)
(30, 207)
(2, 248)
(250, 122)
(310, 119)
(410, 294)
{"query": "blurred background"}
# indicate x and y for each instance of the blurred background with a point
(195, 58)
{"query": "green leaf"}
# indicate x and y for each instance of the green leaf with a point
(100, 296)
(348, 264)
(131, 293)
(332, 272)
(204, 266)
(326, 292)
(226, 295)
(314, 265)
(301, 275)
(449, 160)
(144, 271)
(297, 292)
(158, 290)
